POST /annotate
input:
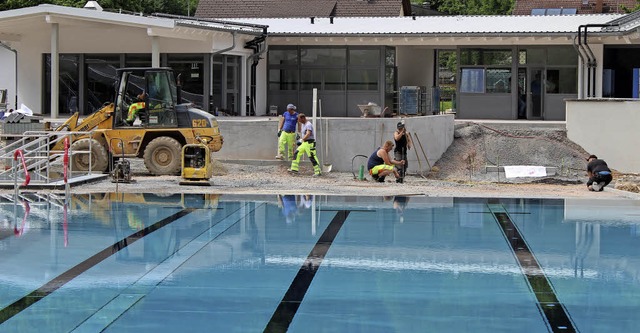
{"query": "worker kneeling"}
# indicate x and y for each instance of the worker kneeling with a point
(136, 108)
(380, 165)
(306, 145)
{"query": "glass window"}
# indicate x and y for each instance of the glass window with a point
(283, 79)
(323, 57)
(138, 60)
(334, 79)
(310, 78)
(470, 57)
(68, 83)
(161, 89)
(364, 57)
(498, 81)
(390, 79)
(562, 56)
(485, 57)
(283, 57)
(472, 80)
(101, 80)
(362, 79)
(190, 70)
(565, 79)
(390, 56)
(522, 57)
(535, 56)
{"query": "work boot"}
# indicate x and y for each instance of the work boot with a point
(400, 180)
(596, 186)
(293, 172)
(279, 157)
(381, 179)
(317, 174)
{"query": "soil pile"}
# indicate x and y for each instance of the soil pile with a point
(478, 149)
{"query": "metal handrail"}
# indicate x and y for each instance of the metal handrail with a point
(38, 156)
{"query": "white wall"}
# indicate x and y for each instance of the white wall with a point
(607, 128)
(98, 38)
(8, 75)
(417, 66)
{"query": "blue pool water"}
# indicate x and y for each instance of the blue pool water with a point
(228, 263)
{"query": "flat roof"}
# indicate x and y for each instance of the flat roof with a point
(430, 25)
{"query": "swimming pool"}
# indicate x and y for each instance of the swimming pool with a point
(267, 263)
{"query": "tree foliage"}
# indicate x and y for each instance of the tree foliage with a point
(472, 7)
(176, 7)
(631, 9)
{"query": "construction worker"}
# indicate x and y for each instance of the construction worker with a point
(403, 142)
(135, 108)
(307, 145)
(287, 132)
(380, 165)
(599, 174)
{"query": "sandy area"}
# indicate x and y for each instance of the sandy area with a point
(460, 172)
(247, 179)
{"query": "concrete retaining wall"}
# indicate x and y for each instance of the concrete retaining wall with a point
(607, 128)
(255, 139)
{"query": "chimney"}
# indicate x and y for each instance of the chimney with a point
(599, 6)
(313, 20)
(93, 5)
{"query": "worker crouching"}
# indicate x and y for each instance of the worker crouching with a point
(380, 165)
(306, 145)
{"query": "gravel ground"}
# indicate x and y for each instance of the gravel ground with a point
(458, 173)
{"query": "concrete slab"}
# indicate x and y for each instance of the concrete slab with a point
(74, 181)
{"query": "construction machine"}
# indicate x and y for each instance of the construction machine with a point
(164, 126)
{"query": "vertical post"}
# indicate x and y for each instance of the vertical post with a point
(314, 109)
(55, 69)
(155, 52)
(313, 215)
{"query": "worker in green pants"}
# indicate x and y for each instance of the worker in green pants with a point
(287, 132)
(307, 145)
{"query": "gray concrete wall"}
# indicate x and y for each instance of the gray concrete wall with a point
(607, 128)
(255, 139)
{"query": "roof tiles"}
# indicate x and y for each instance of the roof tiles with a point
(300, 8)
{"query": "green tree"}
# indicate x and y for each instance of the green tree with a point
(631, 10)
(473, 7)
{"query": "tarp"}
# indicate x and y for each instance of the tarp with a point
(515, 171)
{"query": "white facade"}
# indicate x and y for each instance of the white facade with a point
(35, 31)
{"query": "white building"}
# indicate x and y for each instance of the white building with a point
(351, 60)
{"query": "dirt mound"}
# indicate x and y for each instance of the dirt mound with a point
(477, 146)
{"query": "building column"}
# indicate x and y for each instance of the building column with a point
(155, 51)
(246, 80)
(55, 69)
(598, 52)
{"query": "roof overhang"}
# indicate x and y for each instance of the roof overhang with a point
(15, 24)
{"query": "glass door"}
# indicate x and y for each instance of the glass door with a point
(536, 93)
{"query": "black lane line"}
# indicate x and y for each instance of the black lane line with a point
(60, 280)
(290, 303)
(555, 313)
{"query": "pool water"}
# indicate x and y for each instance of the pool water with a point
(301, 263)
